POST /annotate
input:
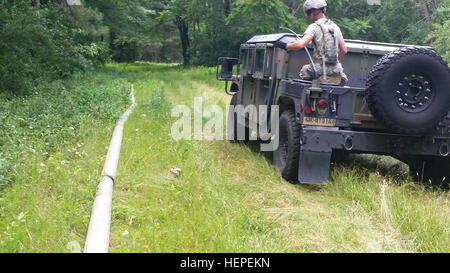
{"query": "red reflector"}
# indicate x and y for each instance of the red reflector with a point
(301, 107)
(323, 104)
(308, 110)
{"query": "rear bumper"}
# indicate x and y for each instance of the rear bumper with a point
(318, 143)
(323, 139)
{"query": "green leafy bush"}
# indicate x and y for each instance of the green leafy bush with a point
(440, 37)
(47, 43)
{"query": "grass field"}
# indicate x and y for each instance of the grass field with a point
(53, 143)
(229, 197)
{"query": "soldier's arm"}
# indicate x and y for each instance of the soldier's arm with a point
(342, 48)
(300, 44)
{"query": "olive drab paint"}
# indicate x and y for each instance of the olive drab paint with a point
(270, 76)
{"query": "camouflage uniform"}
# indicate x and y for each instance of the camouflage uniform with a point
(307, 73)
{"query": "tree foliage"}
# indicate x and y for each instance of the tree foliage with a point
(260, 16)
(46, 42)
(48, 39)
(440, 37)
(131, 24)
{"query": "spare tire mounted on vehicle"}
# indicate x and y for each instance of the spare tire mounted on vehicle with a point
(409, 90)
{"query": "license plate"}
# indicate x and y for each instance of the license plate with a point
(319, 121)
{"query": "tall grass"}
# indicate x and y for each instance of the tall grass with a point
(52, 148)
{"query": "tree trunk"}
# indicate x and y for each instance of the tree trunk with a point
(227, 6)
(163, 54)
(184, 36)
(37, 4)
(426, 11)
(435, 4)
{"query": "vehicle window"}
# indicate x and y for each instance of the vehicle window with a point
(243, 62)
(260, 60)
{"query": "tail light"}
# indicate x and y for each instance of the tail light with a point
(308, 110)
(322, 104)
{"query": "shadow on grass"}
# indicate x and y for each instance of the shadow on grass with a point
(367, 163)
(384, 165)
(134, 72)
(255, 147)
(140, 67)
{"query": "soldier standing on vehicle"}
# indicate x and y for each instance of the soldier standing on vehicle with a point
(328, 43)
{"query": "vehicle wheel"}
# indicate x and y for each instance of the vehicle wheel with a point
(430, 169)
(286, 157)
(232, 131)
(409, 90)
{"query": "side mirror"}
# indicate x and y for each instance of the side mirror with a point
(226, 66)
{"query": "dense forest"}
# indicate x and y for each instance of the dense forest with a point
(42, 40)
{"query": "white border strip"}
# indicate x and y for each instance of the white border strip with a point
(97, 239)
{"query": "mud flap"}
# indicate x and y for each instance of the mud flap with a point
(314, 167)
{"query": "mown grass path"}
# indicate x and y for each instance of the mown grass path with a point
(230, 198)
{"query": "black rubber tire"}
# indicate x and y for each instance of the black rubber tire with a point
(286, 157)
(409, 90)
(234, 129)
(428, 169)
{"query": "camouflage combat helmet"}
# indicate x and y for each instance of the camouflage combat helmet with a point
(314, 4)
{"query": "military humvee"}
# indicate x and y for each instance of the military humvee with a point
(397, 103)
